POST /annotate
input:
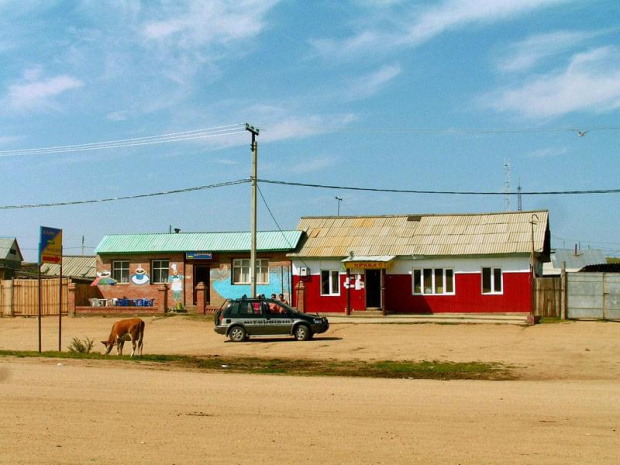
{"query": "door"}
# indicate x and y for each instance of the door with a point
(373, 288)
(202, 274)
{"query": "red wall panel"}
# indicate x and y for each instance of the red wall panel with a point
(468, 297)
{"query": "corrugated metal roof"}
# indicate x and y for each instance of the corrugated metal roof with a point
(73, 266)
(6, 245)
(574, 261)
(266, 241)
(426, 235)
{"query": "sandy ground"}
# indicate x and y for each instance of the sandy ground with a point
(565, 407)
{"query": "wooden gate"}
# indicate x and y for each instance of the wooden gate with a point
(549, 297)
(20, 297)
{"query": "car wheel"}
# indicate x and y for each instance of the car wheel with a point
(302, 333)
(237, 334)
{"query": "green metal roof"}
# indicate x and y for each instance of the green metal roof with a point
(266, 241)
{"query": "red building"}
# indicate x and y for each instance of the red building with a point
(460, 263)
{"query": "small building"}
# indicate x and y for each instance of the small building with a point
(572, 260)
(79, 268)
(10, 257)
(182, 264)
(459, 263)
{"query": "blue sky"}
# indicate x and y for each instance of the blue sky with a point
(411, 95)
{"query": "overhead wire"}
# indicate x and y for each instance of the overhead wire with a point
(127, 197)
(292, 246)
(217, 131)
(309, 185)
(438, 192)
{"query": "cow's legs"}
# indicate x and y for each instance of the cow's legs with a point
(133, 345)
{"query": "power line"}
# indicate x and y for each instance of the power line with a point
(217, 131)
(299, 184)
(457, 131)
(128, 197)
(411, 191)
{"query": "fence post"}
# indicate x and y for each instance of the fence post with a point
(71, 299)
(300, 292)
(163, 298)
(563, 293)
(200, 298)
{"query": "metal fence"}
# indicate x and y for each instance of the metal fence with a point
(593, 296)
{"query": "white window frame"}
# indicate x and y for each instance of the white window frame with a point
(333, 282)
(424, 281)
(160, 270)
(243, 276)
(493, 285)
(120, 271)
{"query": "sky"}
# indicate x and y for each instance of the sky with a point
(469, 100)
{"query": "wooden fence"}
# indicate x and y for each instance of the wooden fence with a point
(20, 297)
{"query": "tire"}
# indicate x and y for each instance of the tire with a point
(237, 334)
(302, 333)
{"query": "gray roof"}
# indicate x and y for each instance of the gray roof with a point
(73, 266)
(9, 249)
(425, 235)
(574, 261)
(266, 241)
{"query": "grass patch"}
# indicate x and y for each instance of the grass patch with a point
(298, 367)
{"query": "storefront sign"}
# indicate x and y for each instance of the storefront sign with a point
(199, 255)
(367, 265)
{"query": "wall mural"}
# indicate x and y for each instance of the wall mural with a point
(141, 276)
(176, 282)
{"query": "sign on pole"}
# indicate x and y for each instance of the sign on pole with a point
(50, 251)
(50, 246)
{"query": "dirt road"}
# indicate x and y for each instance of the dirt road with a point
(564, 409)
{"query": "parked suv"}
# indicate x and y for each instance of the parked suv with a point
(242, 318)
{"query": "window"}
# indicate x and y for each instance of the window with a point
(492, 281)
(330, 282)
(433, 281)
(159, 271)
(241, 271)
(120, 271)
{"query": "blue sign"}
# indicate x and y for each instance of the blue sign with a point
(199, 255)
(50, 245)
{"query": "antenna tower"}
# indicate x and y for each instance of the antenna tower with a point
(506, 185)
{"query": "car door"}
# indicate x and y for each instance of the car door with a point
(278, 319)
(255, 320)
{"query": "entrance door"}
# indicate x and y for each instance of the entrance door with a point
(373, 288)
(202, 274)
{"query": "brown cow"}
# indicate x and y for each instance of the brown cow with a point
(126, 330)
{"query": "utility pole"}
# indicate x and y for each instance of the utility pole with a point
(339, 199)
(254, 178)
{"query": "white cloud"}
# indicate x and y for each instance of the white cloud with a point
(206, 22)
(528, 53)
(418, 25)
(116, 116)
(39, 95)
(548, 152)
(370, 84)
(590, 82)
(312, 164)
(293, 127)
